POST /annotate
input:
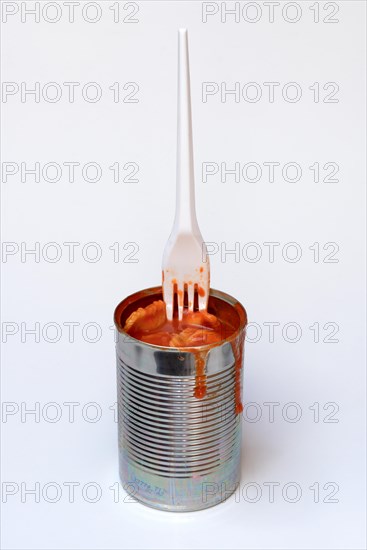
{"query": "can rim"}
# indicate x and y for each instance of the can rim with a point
(242, 314)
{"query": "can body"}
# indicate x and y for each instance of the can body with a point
(178, 452)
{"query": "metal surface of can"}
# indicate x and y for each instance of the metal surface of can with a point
(178, 452)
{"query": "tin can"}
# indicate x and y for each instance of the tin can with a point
(178, 452)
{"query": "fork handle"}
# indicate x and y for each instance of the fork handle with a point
(185, 216)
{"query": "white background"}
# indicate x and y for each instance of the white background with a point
(304, 292)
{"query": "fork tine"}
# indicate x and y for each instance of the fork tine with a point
(203, 302)
(190, 297)
(168, 299)
(180, 299)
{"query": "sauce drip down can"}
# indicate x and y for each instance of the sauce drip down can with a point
(178, 452)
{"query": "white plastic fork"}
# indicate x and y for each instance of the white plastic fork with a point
(185, 266)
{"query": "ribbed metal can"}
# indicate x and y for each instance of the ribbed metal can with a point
(177, 452)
